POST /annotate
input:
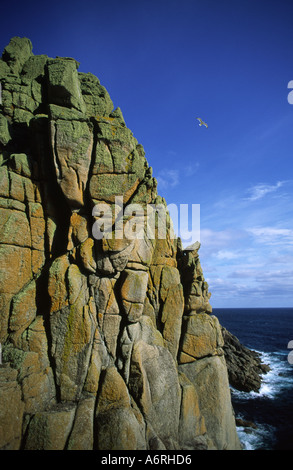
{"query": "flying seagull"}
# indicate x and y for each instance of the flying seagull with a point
(201, 122)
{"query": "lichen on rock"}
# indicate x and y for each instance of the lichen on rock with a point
(106, 343)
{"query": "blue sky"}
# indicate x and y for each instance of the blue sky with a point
(165, 62)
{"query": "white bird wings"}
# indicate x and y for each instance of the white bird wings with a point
(201, 122)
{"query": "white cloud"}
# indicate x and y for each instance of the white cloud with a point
(241, 274)
(167, 178)
(272, 235)
(226, 254)
(191, 169)
(261, 190)
(215, 241)
(252, 288)
(248, 267)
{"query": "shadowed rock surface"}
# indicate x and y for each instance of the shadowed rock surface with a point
(245, 367)
(106, 343)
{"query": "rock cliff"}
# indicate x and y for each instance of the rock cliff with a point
(245, 367)
(107, 343)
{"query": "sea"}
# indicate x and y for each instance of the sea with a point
(269, 332)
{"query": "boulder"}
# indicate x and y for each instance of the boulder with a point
(210, 379)
(245, 367)
(10, 398)
(117, 427)
(17, 53)
(201, 337)
(49, 430)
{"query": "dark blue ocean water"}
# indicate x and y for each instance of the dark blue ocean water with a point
(269, 332)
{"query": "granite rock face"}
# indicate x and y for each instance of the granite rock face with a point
(107, 343)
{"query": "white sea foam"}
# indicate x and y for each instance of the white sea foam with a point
(252, 439)
(279, 377)
(273, 381)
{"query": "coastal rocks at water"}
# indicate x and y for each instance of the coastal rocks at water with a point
(245, 367)
(106, 343)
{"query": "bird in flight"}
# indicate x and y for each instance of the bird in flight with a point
(201, 122)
